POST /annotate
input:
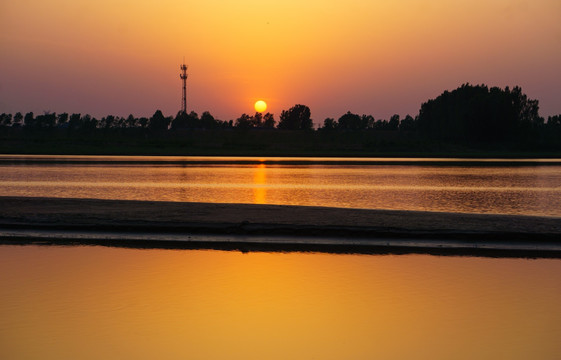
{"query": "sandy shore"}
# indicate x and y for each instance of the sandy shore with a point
(30, 219)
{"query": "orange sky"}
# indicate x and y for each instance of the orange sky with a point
(377, 57)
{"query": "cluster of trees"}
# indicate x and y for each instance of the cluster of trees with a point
(296, 118)
(86, 122)
(480, 114)
(353, 122)
(469, 114)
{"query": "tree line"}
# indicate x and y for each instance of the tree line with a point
(473, 114)
(297, 117)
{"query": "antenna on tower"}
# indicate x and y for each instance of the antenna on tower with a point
(183, 77)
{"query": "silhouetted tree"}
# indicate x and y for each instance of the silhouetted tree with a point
(75, 121)
(551, 132)
(296, 118)
(18, 119)
(552, 121)
(269, 121)
(244, 122)
(5, 119)
(208, 121)
(329, 124)
(181, 121)
(118, 122)
(158, 122)
(257, 119)
(193, 121)
(349, 121)
(89, 123)
(407, 124)
(381, 125)
(367, 122)
(393, 124)
(143, 122)
(479, 114)
(108, 122)
(130, 122)
(224, 124)
(29, 120)
(188, 121)
(47, 120)
(62, 119)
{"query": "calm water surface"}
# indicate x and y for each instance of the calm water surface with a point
(94, 302)
(109, 303)
(488, 186)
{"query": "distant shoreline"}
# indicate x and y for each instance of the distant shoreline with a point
(256, 142)
(246, 227)
(171, 150)
(272, 160)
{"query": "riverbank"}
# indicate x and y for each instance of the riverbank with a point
(272, 227)
(256, 142)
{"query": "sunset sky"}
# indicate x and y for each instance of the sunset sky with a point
(370, 57)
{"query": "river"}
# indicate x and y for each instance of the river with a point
(525, 187)
(91, 302)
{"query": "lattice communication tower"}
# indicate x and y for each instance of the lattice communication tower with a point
(183, 76)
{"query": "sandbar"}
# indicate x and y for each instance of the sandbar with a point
(273, 227)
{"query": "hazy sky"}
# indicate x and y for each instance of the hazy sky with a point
(370, 57)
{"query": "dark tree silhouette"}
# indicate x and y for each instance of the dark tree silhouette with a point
(381, 125)
(208, 121)
(393, 124)
(244, 122)
(108, 122)
(75, 121)
(143, 122)
(158, 122)
(181, 121)
(470, 117)
(257, 120)
(329, 124)
(5, 119)
(350, 121)
(552, 121)
(89, 123)
(408, 124)
(269, 121)
(45, 121)
(296, 118)
(193, 121)
(62, 119)
(130, 122)
(367, 122)
(18, 119)
(479, 114)
(29, 120)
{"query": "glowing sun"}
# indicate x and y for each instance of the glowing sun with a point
(260, 106)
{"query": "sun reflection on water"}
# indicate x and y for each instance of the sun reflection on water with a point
(524, 190)
(260, 182)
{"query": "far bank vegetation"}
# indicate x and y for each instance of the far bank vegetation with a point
(470, 119)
